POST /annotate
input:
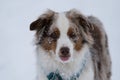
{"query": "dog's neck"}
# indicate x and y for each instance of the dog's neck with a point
(57, 76)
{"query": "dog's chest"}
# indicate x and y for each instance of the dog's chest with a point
(86, 74)
(66, 71)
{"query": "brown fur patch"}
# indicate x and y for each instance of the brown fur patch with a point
(78, 45)
(49, 42)
(48, 45)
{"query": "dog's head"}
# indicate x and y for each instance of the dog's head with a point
(64, 34)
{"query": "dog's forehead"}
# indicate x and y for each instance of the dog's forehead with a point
(62, 23)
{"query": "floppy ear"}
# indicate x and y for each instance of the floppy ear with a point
(44, 20)
(86, 28)
(83, 24)
(86, 25)
(37, 24)
(81, 20)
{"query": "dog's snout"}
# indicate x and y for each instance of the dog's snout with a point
(64, 51)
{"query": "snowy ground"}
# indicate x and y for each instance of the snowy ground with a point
(17, 57)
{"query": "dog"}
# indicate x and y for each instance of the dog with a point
(71, 46)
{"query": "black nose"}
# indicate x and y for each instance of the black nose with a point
(64, 51)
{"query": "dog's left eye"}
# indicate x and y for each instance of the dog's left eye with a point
(72, 35)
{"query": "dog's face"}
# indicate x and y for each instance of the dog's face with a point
(63, 34)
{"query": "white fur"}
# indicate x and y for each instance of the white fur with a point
(63, 41)
(47, 64)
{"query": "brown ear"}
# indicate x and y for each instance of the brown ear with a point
(81, 20)
(87, 27)
(83, 24)
(44, 20)
(36, 24)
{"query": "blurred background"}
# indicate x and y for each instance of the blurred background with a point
(17, 50)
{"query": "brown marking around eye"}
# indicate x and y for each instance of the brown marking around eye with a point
(55, 34)
(49, 42)
(48, 45)
(76, 38)
(70, 32)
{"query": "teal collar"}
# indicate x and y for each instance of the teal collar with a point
(54, 76)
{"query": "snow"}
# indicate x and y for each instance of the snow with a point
(17, 55)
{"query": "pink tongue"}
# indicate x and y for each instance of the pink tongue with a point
(64, 58)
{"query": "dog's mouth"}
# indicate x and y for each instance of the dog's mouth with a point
(65, 58)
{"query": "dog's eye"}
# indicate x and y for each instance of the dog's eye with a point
(72, 35)
(53, 35)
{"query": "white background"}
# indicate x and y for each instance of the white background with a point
(17, 55)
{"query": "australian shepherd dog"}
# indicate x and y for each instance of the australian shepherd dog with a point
(71, 46)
